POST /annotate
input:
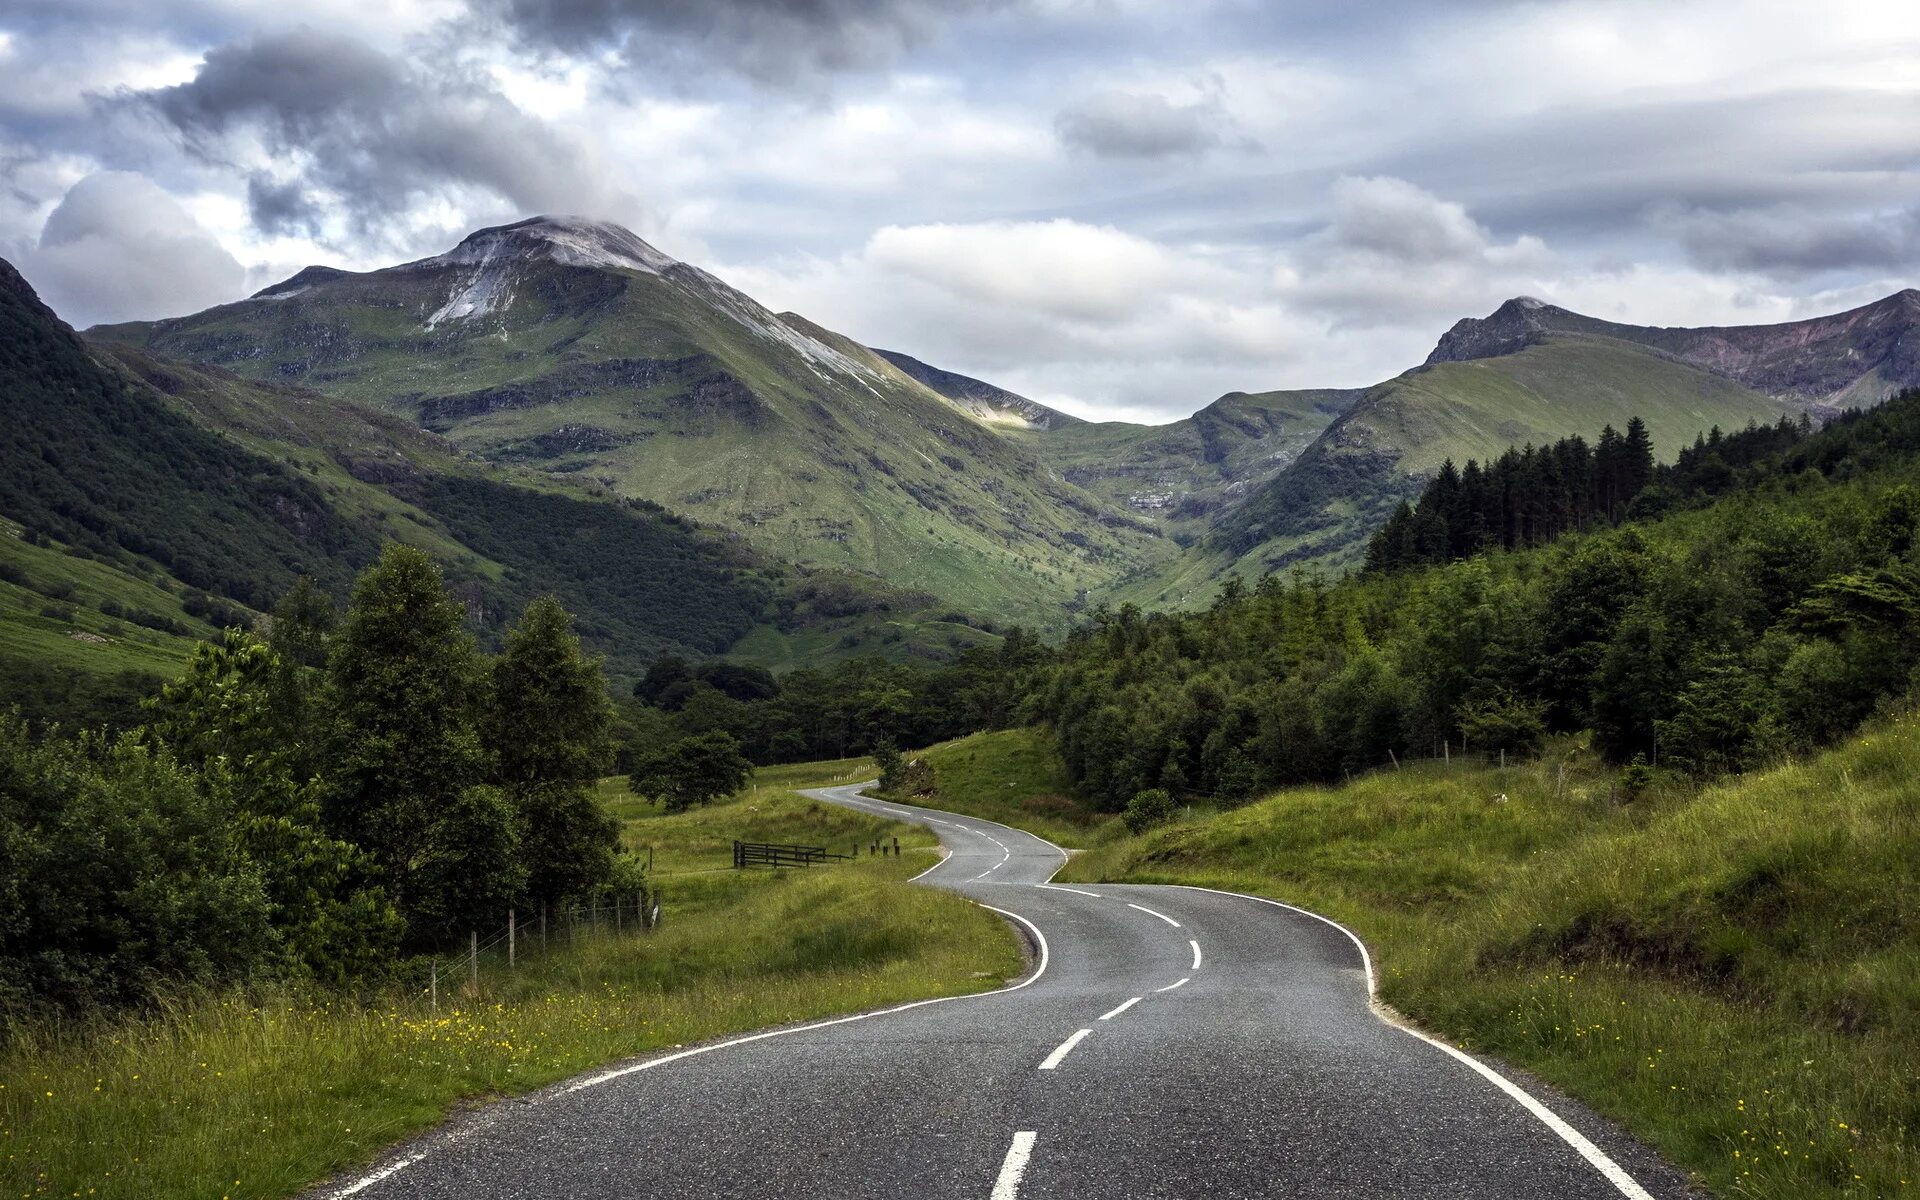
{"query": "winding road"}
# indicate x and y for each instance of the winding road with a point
(1170, 1042)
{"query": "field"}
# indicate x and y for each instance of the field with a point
(1733, 972)
(1012, 777)
(257, 1095)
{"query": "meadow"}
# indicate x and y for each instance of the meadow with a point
(258, 1094)
(1732, 970)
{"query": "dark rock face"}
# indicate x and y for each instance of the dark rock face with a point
(566, 440)
(1874, 349)
(1513, 326)
(570, 382)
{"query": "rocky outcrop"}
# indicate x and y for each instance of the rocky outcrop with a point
(1856, 357)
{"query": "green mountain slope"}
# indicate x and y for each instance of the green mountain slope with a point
(1849, 359)
(144, 502)
(576, 347)
(1396, 434)
(1186, 474)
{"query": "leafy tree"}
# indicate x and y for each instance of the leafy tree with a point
(225, 717)
(549, 724)
(890, 763)
(402, 698)
(469, 870)
(118, 875)
(693, 770)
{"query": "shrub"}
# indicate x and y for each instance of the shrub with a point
(1154, 806)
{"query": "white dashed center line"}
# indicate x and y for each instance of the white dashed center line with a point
(1196, 953)
(1013, 1168)
(1173, 985)
(1116, 1012)
(1164, 917)
(1055, 887)
(1062, 1050)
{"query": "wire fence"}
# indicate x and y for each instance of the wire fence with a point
(525, 938)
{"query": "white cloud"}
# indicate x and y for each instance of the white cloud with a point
(118, 248)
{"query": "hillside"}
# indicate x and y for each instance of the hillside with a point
(1397, 434)
(984, 401)
(1847, 360)
(1190, 473)
(575, 347)
(146, 502)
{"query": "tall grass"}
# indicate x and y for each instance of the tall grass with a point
(258, 1094)
(1733, 971)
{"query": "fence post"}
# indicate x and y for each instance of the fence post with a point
(433, 984)
(896, 847)
(510, 948)
(1394, 757)
(1447, 748)
(1503, 758)
(649, 859)
(543, 926)
(473, 958)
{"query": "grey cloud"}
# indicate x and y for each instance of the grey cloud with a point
(375, 138)
(282, 208)
(1117, 124)
(770, 40)
(1793, 242)
(117, 248)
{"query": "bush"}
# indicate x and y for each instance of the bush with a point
(1155, 806)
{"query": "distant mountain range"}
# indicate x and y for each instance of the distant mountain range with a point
(572, 349)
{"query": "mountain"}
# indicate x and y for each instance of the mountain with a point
(574, 347)
(1495, 384)
(146, 502)
(979, 399)
(1847, 360)
(1189, 473)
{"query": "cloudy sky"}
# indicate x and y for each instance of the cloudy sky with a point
(1123, 207)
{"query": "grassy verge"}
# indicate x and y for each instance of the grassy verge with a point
(1732, 971)
(257, 1095)
(1013, 776)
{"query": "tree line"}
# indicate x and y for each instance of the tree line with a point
(313, 803)
(1528, 496)
(1710, 639)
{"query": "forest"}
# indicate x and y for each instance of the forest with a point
(312, 803)
(1768, 603)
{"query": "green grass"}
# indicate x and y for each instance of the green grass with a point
(1732, 972)
(1013, 776)
(258, 1095)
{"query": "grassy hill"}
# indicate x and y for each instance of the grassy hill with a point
(1731, 970)
(1383, 449)
(145, 501)
(578, 349)
(1186, 475)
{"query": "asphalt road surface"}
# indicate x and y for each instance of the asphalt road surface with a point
(1169, 1042)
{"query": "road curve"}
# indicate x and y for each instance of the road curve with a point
(1171, 1042)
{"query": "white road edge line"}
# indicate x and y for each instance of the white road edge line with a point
(1040, 939)
(1108, 1016)
(1196, 954)
(1164, 917)
(1597, 1158)
(1013, 1168)
(1061, 1051)
(1174, 985)
(1056, 887)
(945, 854)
